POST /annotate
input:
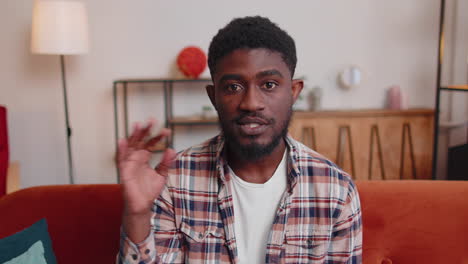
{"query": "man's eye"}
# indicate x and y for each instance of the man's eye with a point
(269, 85)
(234, 87)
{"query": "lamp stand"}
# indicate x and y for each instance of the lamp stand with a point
(67, 120)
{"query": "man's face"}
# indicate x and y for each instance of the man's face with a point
(253, 93)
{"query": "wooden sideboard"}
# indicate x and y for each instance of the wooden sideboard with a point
(371, 144)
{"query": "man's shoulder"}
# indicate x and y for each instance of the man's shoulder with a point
(196, 161)
(320, 177)
(194, 169)
(206, 149)
(309, 157)
(318, 167)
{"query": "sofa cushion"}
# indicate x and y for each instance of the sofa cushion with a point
(30, 244)
(414, 221)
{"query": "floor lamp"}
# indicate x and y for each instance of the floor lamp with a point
(60, 28)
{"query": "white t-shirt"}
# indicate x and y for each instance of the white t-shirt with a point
(255, 207)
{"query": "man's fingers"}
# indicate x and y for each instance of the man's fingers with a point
(122, 149)
(166, 162)
(136, 130)
(162, 134)
(136, 142)
(139, 156)
(144, 133)
(140, 133)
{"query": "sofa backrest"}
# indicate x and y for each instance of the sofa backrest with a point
(83, 220)
(404, 221)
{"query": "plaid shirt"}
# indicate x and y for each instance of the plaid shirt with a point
(318, 219)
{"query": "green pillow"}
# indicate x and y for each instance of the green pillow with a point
(34, 255)
(24, 245)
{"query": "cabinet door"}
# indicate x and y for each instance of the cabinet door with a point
(344, 141)
(408, 146)
(390, 147)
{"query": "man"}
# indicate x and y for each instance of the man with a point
(252, 194)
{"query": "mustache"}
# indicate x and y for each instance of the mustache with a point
(258, 115)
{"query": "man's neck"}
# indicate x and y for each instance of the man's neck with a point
(260, 170)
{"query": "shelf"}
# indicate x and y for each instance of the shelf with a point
(159, 80)
(194, 121)
(461, 88)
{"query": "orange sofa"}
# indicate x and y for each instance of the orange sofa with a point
(404, 221)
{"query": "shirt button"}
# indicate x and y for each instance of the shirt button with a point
(200, 236)
(134, 256)
(147, 251)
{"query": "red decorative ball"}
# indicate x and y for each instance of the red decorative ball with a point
(191, 61)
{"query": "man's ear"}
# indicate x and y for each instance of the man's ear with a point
(297, 86)
(210, 90)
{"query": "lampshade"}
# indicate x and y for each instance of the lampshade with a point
(59, 27)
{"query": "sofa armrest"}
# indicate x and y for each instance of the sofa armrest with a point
(13, 177)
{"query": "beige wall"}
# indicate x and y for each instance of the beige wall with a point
(394, 42)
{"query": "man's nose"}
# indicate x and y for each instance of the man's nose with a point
(252, 99)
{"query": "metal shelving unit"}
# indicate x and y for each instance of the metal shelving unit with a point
(440, 88)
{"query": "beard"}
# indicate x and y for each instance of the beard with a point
(255, 151)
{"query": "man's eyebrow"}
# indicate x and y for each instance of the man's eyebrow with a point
(268, 73)
(230, 77)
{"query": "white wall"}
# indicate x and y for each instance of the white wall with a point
(394, 42)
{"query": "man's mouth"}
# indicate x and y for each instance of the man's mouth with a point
(252, 129)
(252, 126)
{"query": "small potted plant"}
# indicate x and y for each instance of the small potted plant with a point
(207, 112)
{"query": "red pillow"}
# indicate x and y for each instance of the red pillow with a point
(3, 150)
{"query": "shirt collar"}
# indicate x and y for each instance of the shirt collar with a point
(293, 168)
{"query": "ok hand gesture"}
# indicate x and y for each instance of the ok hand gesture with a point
(141, 183)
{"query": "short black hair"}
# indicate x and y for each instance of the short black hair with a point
(252, 32)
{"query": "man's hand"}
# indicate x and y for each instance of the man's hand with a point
(141, 184)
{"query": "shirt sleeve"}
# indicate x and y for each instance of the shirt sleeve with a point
(162, 245)
(346, 239)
